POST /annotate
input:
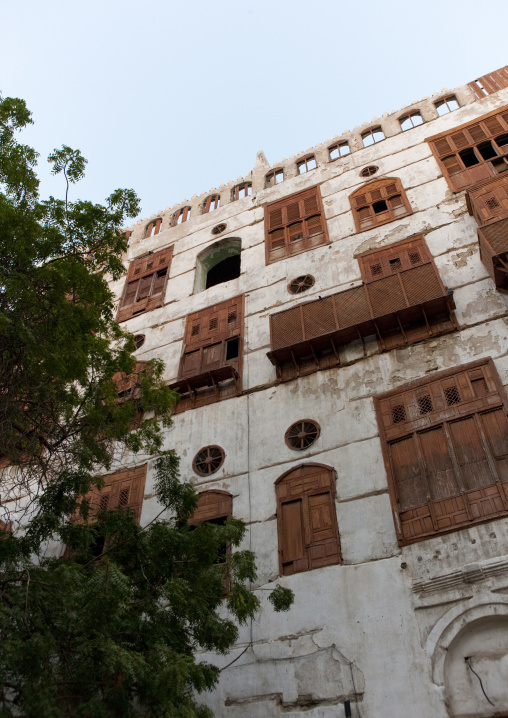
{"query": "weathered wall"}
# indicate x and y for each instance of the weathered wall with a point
(376, 629)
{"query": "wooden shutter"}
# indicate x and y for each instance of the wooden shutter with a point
(124, 488)
(294, 225)
(446, 148)
(363, 203)
(493, 82)
(445, 443)
(398, 278)
(488, 202)
(145, 284)
(212, 505)
(307, 519)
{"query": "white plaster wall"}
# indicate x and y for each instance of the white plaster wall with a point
(357, 630)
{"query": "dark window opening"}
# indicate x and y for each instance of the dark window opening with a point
(469, 157)
(228, 269)
(487, 151)
(232, 348)
(500, 165)
(502, 140)
(380, 206)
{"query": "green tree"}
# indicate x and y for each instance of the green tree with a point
(111, 630)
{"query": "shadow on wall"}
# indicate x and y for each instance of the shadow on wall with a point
(218, 263)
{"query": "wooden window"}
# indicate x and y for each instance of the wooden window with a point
(241, 190)
(445, 445)
(139, 340)
(473, 152)
(208, 460)
(294, 224)
(402, 301)
(307, 519)
(212, 202)
(274, 177)
(301, 284)
(127, 236)
(370, 137)
(446, 105)
(379, 202)
(488, 200)
(180, 216)
(153, 227)
(124, 488)
(211, 362)
(213, 507)
(488, 84)
(339, 149)
(302, 434)
(413, 119)
(145, 284)
(306, 164)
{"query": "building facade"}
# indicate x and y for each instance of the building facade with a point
(336, 325)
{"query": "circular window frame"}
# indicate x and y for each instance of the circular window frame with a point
(219, 229)
(301, 279)
(207, 448)
(139, 340)
(302, 422)
(366, 172)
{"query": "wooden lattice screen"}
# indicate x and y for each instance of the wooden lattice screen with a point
(445, 445)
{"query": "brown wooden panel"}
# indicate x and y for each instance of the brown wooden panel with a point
(441, 477)
(146, 278)
(471, 456)
(212, 505)
(294, 224)
(367, 201)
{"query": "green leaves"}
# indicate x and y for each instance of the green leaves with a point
(70, 162)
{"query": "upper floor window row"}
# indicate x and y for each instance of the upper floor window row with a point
(446, 105)
(244, 189)
(306, 164)
(473, 152)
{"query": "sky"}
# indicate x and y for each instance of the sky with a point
(174, 98)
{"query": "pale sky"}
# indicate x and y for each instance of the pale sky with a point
(174, 98)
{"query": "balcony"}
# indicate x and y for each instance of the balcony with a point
(401, 309)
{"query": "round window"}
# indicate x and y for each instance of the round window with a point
(369, 171)
(302, 434)
(301, 284)
(139, 340)
(208, 460)
(219, 228)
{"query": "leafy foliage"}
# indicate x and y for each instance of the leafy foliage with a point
(112, 629)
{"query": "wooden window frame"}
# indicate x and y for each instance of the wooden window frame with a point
(364, 200)
(153, 227)
(490, 83)
(213, 199)
(236, 192)
(132, 479)
(280, 218)
(404, 304)
(409, 116)
(450, 149)
(206, 374)
(184, 213)
(271, 178)
(212, 505)
(443, 101)
(304, 162)
(306, 484)
(372, 132)
(337, 146)
(140, 270)
(410, 426)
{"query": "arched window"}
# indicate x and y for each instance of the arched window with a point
(218, 263)
(306, 164)
(446, 105)
(379, 202)
(153, 228)
(370, 137)
(214, 507)
(274, 177)
(180, 216)
(339, 149)
(211, 202)
(307, 519)
(241, 190)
